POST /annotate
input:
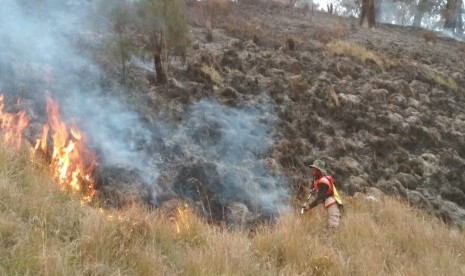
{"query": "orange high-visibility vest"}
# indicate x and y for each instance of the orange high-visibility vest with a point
(332, 196)
(323, 180)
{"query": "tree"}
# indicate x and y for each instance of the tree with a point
(453, 15)
(422, 7)
(162, 28)
(122, 19)
(460, 22)
(367, 16)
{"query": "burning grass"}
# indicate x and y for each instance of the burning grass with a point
(12, 125)
(44, 231)
(71, 163)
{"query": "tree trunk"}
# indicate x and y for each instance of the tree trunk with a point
(460, 11)
(367, 17)
(123, 62)
(378, 4)
(452, 14)
(460, 20)
(161, 74)
(123, 77)
(421, 9)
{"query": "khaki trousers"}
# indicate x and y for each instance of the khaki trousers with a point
(334, 216)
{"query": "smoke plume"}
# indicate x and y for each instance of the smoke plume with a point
(41, 55)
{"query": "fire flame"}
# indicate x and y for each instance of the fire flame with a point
(12, 125)
(182, 219)
(71, 162)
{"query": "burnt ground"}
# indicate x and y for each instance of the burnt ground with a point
(394, 120)
(397, 126)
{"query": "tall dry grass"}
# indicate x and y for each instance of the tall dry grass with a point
(44, 231)
(360, 53)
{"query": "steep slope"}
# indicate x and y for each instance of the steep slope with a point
(241, 114)
(44, 231)
(383, 107)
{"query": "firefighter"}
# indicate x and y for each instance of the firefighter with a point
(323, 191)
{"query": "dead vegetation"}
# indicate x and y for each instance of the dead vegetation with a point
(245, 29)
(213, 75)
(326, 34)
(360, 53)
(442, 79)
(298, 83)
(44, 231)
(430, 37)
(47, 232)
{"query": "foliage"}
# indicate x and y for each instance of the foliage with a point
(421, 13)
(162, 29)
(122, 44)
(155, 28)
(162, 22)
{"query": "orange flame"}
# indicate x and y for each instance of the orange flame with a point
(71, 163)
(12, 125)
(182, 219)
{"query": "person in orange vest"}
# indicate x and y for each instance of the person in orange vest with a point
(324, 191)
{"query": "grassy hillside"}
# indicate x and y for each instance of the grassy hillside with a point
(44, 231)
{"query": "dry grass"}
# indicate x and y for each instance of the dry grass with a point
(461, 48)
(441, 79)
(429, 36)
(219, 8)
(212, 74)
(46, 232)
(299, 83)
(243, 28)
(360, 53)
(333, 99)
(211, 12)
(331, 33)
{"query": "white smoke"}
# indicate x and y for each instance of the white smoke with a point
(43, 35)
(236, 140)
(46, 35)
